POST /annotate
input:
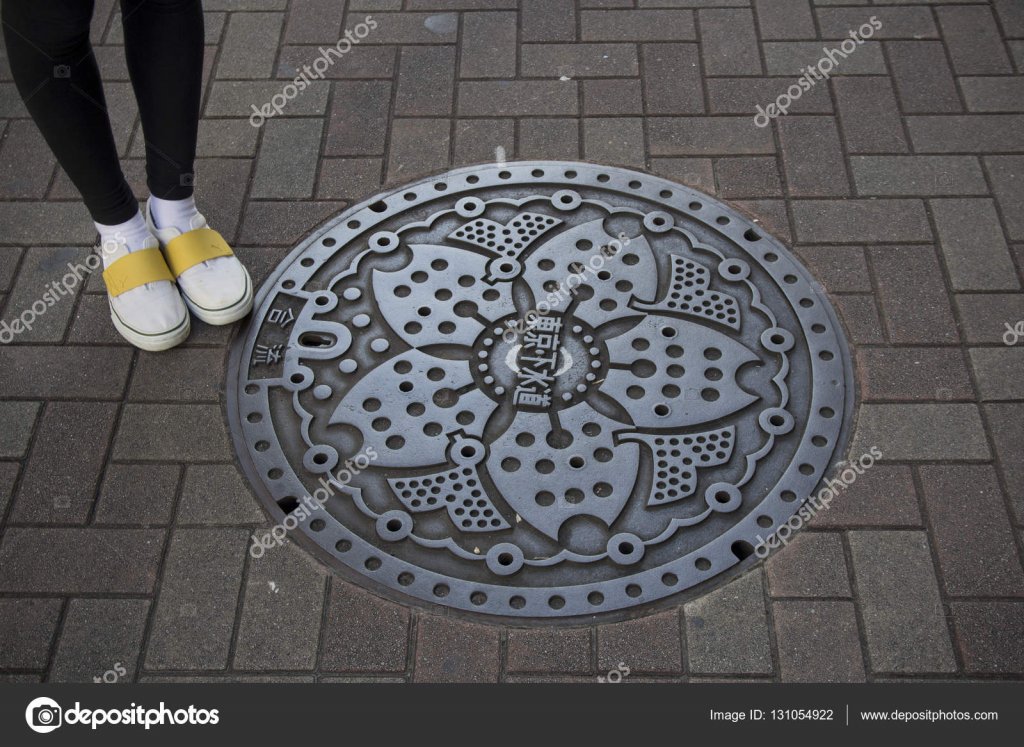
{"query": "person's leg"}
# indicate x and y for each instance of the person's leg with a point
(56, 74)
(164, 47)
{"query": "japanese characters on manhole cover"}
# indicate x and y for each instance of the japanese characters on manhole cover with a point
(539, 389)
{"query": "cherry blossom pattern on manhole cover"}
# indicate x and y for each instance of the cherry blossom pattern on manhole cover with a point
(538, 389)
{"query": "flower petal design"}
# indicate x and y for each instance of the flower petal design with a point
(407, 408)
(554, 269)
(677, 458)
(687, 378)
(422, 302)
(592, 476)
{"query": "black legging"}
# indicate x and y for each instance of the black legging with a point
(56, 74)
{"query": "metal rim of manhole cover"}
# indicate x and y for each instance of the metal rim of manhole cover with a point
(539, 390)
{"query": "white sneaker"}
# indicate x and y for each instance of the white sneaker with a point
(213, 283)
(145, 305)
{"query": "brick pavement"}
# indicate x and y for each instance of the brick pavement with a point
(899, 182)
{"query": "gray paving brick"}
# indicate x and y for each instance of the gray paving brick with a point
(579, 60)
(785, 19)
(909, 432)
(219, 192)
(539, 650)
(8, 476)
(648, 645)
(363, 633)
(358, 62)
(488, 45)
(1006, 424)
(314, 21)
(672, 79)
(358, 119)
(904, 176)
(425, 84)
(984, 316)
(898, 598)
(771, 214)
(1011, 17)
(610, 97)
(757, 176)
(10, 257)
(727, 630)
(811, 565)
(286, 167)
(181, 375)
(838, 268)
(236, 98)
(971, 531)
(43, 298)
(923, 78)
(896, 23)
(226, 137)
(1007, 175)
(19, 419)
(172, 433)
(26, 162)
(614, 140)
(993, 94)
(728, 41)
(27, 627)
(64, 467)
(791, 58)
(869, 115)
(967, 133)
(414, 28)
(549, 138)
(249, 45)
(195, 609)
(884, 496)
(989, 635)
(101, 641)
(521, 98)
(913, 373)
(408, 158)
(860, 315)
(973, 40)
(638, 25)
(860, 220)
(707, 136)
(80, 560)
(137, 494)
(812, 157)
(217, 494)
(448, 650)
(547, 20)
(971, 239)
(281, 610)
(483, 140)
(998, 372)
(818, 641)
(744, 95)
(277, 223)
(60, 222)
(693, 172)
(349, 178)
(912, 293)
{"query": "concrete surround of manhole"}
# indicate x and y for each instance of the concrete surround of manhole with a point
(538, 390)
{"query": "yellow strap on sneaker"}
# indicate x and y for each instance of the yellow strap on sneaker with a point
(194, 247)
(135, 269)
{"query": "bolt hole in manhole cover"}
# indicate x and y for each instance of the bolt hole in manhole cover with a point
(539, 390)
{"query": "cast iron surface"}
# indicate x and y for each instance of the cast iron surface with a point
(539, 389)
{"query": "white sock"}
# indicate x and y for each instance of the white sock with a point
(130, 236)
(178, 214)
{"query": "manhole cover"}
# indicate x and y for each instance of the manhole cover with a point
(539, 389)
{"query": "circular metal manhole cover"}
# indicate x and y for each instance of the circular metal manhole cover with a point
(539, 389)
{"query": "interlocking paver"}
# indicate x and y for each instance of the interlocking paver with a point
(899, 179)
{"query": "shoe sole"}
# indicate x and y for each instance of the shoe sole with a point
(153, 343)
(226, 315)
